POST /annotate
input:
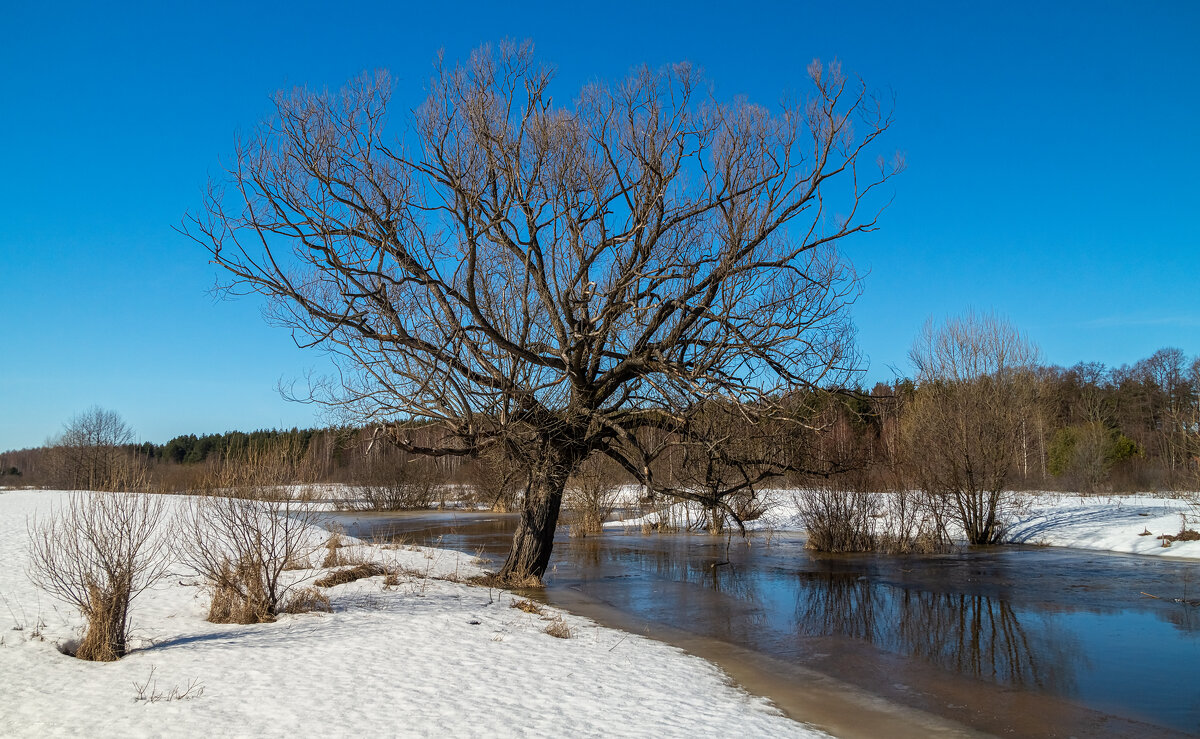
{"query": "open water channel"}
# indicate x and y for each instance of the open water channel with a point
(1011, 640)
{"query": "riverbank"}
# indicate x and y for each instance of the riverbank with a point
(426, 656)
(1128, 524)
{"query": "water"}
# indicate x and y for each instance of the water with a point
(1024, 640)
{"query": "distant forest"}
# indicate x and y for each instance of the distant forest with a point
(1092, 428)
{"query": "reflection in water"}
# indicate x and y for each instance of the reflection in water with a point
(974, 635)
(1010, 621)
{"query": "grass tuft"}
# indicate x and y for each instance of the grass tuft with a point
(527, 606)
(350, 574)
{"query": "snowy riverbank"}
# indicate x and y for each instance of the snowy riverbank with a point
(426, 657)
(1117, 523)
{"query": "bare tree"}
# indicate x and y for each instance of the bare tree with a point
(964, 425)
(555, 277)
(88, 455)
(98, 553)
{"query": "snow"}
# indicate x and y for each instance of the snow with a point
(1109, 523)
(429, 657)
(1115, 523)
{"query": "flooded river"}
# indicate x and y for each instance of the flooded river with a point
(1010, 640)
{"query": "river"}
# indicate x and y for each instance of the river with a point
(1014, 640)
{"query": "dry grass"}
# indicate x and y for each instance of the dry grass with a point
(297, 563)
(240, 596)
(527, 606)
(306, 600)
(558, 628)
(494, 580)
(1183, 535)
(350, 574)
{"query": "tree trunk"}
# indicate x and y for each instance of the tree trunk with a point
(534, 539)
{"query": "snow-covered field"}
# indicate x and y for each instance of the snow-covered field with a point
(1116, 523)
(429, 657)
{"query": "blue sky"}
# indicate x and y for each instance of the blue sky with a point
(1052, 172)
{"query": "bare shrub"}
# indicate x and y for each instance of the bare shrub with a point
(97, 554)
(392, 481)
(912, 522)
(839, 518)
(148, 691)
(498, 478)
(592, 495)
(964, 426)
(242, 542)
(350, 574)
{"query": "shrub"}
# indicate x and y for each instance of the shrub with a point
(592, 495)
(838, 520)
(97, 554)
(243, 540)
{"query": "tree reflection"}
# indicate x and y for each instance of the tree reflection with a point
(976, 635)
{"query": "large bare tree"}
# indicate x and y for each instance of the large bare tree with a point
(555, 278)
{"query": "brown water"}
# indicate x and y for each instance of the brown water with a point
(1010, 640)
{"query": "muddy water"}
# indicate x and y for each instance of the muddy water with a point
(1014, 640)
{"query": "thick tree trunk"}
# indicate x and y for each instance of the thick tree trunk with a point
(534, 539)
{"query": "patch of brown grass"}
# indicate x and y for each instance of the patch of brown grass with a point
(527, 606)
(297, 563)
(558, 628)
(494, 580)
(306, 600)
(1183, 535)
(240, 597)
(350, 574)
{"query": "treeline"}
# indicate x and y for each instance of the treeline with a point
(1088, 427)
(313, 455)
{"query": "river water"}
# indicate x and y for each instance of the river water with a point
(1010, 640)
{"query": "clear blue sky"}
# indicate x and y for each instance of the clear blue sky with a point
(1052, 149)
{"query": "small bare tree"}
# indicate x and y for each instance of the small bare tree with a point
(88, 455)
(976, 391)
(242, 535)
(98, 553)
(560, 277)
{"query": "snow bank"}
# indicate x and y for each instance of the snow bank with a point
(1110, 523)
(428, 657)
